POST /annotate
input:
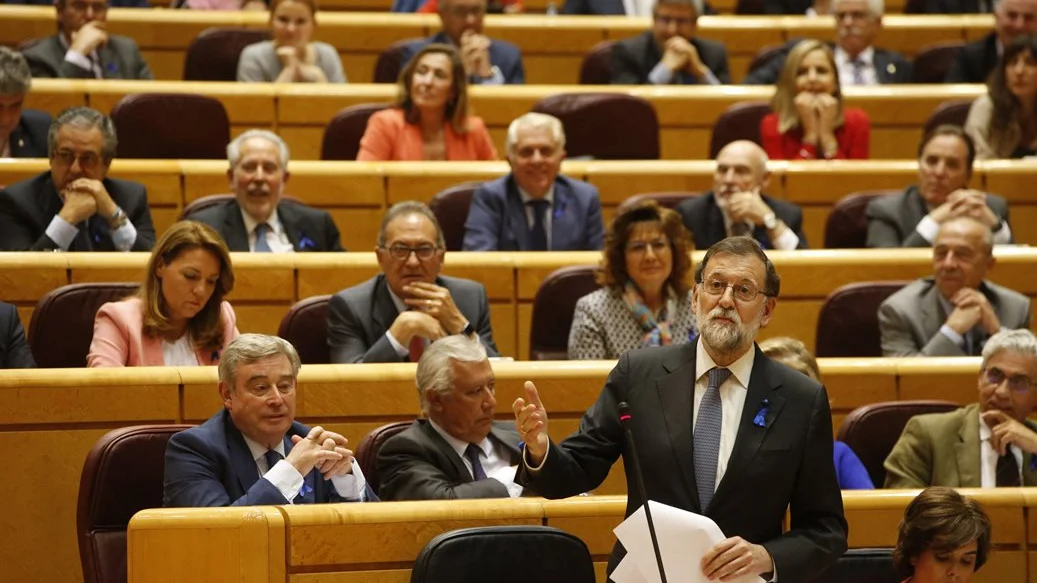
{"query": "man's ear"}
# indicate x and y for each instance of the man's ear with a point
(765, 181)
(768, 311)
(225, 393)
(230, 179)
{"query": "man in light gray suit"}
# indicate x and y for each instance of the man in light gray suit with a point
(393, 316)
(955, 312)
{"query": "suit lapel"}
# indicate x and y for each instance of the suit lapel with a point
(715, 223)
(241, 461)
(456, 463)
(515, 216)
(966, 451)
(931, 313)
(109, 63)
(383, 310)
(508, 440)
(290, 222)
(234, 228)
(677, 396)
(562, 228)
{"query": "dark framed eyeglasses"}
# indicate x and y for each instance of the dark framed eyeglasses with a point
(401, 252)
(745, 291)
(996, 376)
(87, 160)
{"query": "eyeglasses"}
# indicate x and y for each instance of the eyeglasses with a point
(996, 376)
(744, 290)
(640, 247)
(97, 7)
(401, 252)
(668, 20)
(87, 160)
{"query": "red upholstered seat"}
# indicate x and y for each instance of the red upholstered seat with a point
(553, 309)
(848, 324)
(605, 126)
(151, 126)
(62, 324)
(306, 327)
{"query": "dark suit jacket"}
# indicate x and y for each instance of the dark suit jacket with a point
(795, 7)
(608, 7)
(358, 318)
(503, 55)
(497, 217)
(120, 59)
(418, 464)
(788, 462)
(704, 219)
(953, 7)
(210, 465)
(29, 137)
(890, 67)
(892, 219)
(308, 229)
(634, 58)
(975, 61)
(27, 207)
(14, 350)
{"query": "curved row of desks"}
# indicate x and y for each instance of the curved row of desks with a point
(49, 420)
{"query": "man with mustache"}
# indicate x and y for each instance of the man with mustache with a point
(260, 219)
(721, 430)
(983, 445)
(957, 310)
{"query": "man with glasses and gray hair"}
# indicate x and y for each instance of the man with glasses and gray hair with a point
(987, 444)
(75, 206)
(23, 132)
(393, 316)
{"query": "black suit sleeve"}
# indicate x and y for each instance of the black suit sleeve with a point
(140, 216)
(406, 472)
(346, 337)
(575, 7)
(721, 70)
(16, 231)
(958, 73)
(17, 353)
(625, 68)
(483, 325)
(334, 239)
(766, 74)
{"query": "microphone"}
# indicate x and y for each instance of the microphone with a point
(624, 419)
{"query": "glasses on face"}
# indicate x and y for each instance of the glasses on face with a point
(673, 20)
(87, 160)
(996, 376)
(401, 252)
(80, 6)
(640, 247)
(744, 291)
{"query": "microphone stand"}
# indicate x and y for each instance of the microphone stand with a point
(624, 419)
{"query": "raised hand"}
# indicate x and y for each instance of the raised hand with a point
(531, 422)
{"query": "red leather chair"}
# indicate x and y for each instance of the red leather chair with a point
(553, 309)
(367, 451)
(451, 209)
(848, 324)
(741, 121)
(597, 64)
(390, 62)
(306, 327)
(213, 54)
(847, 226)
(605, 126)
(122, 476)
(342, 135)
(871, 431)
(152, 126)
(62, 324)
(668, 200)
(951, 112)
(932, 62)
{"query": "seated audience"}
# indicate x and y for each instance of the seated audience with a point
(396, 314)
(253, 452)
(534, 208)
(670, 53)
(984, 445)
(958, 6)
(292, 56)
(797, 7)
(14, 350)
(631, 8)
(23, 132)
(911, 218)
(430, 120)
(485, 61)
(849, 470)
(976, 60)
(178, 318)
(111, 3)
(809, 121)
(954, 312)
(737, 205)
(492, 7)
(75, 206)
(1003, 123)
(82, 47)
(456, 450)
(244, 5)
(259, 219)
(646, 282)
(857, 60)
(943, 538)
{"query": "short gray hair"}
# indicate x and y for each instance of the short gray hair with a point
(15, 77)
(436, 368)
(85, 118)
(1021, 342)
(409, 207)
(535, 120)
(698, 5)
(988, 235)
(249, 348)
(875, 7)
(234, 148)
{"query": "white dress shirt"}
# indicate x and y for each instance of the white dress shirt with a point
(288, 480)
(494, 464)
(276, 237)
(847, 70)
(988, 457)
(928, 228)
(63, 233)
(91, 62)
(180, 352)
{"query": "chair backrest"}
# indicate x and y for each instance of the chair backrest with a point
(862, 566)
(668, 200)
(914, 7)
(390, 62)
(151, 126)
(740, 121)
(846, 226)
(213, 54)
(597, 64)
(553, 309)
(367, 452)
(871, 431)
(122, 476)
(451, 209)
(932, 62)
(342, 136)
(605, 126)
(750, 7)
(504, 554)
(848, 324)
(764, 56)
(951, 112)
(306, 327)
(62, 324)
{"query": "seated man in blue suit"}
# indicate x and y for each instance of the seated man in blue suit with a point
(487, 62)
(23, 132)
(253, 452)
(534, 208)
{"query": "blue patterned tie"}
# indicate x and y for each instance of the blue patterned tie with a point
(707, 436)
(272, 457)
(472, 453)
(261, 243)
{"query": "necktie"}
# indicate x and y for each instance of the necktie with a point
(417, 348)
(538, 232)
(707, 436)
(1007, 471)
(271, 457)
(262, 246)
(858, 71)
(472, 453)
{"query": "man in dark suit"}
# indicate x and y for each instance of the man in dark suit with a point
(14, 350)
(534, 208)
(393, 316)
(83, 49)
(23, 132)
(1012, 19)
(752, 439)
(958, 6)
(616, 7)
(670, 53)
(737, 205)
(457, 450)
(487, 61)
(253, 452)
(259, 219)
(75, 206)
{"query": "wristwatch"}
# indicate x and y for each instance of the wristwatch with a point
(117, 219)
(468, 329)
(770, 221)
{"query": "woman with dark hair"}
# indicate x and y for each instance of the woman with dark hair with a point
(430, 120)
(1003, 123)
(647, 277)
(944, 537)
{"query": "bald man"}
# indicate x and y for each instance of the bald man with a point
(737, 205)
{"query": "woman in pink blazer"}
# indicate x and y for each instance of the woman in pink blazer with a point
(430, 120)
(179, 317)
